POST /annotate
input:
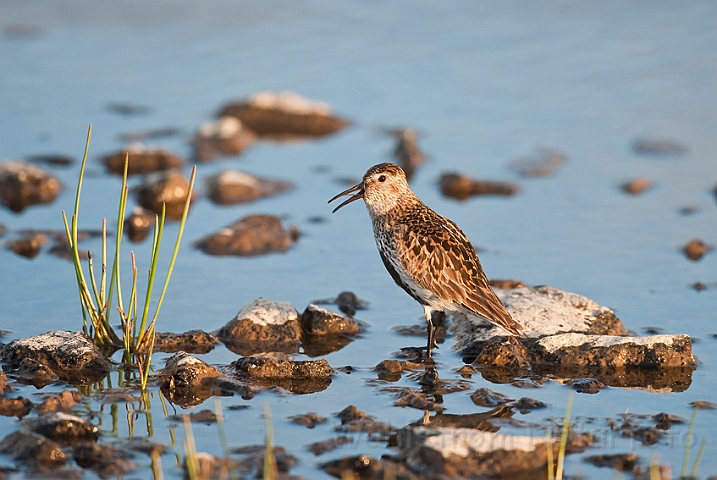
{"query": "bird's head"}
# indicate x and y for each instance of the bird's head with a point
(382, 188)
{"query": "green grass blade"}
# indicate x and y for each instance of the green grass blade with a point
(564, 438)
(549, 452)
(270, 472)
(693, 473)
(688, 442)
(157, 240)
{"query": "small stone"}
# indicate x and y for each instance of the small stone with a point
(138, 225)
(232, 187)
(284, 114)
(193, 341)
(367, 467)
(696, 249)
(484, 397)
(262, 326)
(262, 367)
(63, 401)
(106, 460)
(665, 420)
(309, 420)
(319, 448)
(224, 136)
(636, 186)
(461, 187)
(526, 404)
(128, 108)
(586, 385)
(169, 188)
(624, 462)
(320, 321)
(250, 236)
(703, 404)
(699, 286)
(24, 184)
(504, 284)
(58, 160)
(202, 416)
(28, 246)
(347, 302)
(183, 370)
(505, 352)
(153, 133)
(418, 400)
(142, 159)
(354, 420)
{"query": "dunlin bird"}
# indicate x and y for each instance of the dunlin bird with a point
(426, 254)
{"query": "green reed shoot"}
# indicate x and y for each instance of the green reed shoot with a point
(270, 470)
(137, 335)
(564, 438)
(688, 447)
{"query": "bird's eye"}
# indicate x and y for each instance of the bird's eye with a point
(382, 178)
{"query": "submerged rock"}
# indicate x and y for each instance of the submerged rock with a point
(193, 341)
(354, 420)
(284, 114)
(106, 460)
(28, 245)
(309, 420)
(347, 302)
(366, 467)
(299, 377)
(542, 163)
(169, 188)
(621, 462)
(484, 397)
(263, 326)
(250, 236)
(70, 355)
(224, 136)
(187, 380)
(231, 187)
(15, 406)
(658, 147)
(142, 159)
(63, 401)
(319, 448)
(24, 184)
(461, 187)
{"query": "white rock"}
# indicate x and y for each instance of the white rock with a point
(289, 102)
(554, 343)
(268, 312)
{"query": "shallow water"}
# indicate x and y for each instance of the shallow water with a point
(483, 82)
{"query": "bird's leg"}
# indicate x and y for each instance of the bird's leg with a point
(431, 334)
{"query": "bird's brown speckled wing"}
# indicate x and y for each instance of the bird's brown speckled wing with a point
(444, 262)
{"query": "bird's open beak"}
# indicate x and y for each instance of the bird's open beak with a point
(357, 191)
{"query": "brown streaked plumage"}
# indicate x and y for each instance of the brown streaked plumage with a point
(426, 254)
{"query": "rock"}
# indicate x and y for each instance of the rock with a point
(63, 401)
(128, 108)
(254, 461)
(484, 397)
(106, 460)
(586, 385)
(230, 385)
(70, 355)
(541, 311)
(319, 321)
(347, 302)
(169, 188)
(268, 368)
(183, 370)
(407, 154)
(526, 404)
(33, 449)
(62, 427)
(695, 249)
(665, 420)
(365, 467)
(250, 236)
(354, 420)
(193, 341)
(24, 184)
(209, 466)
(506, 284)
(187, 380)
(418, 400)
(461, 187)
(150, 134)
(309, 420)
(202, 416)
(604, 352)
(319, 448)
(263, 326)
(224, 136)
(28, 245)
(622, 462)
(541, 164)
(284, 114)
(636, 186)
(231, 187)
(658, 147)
(138, 225)
(142, 159)
(703, 404)
(504, 352)
(472, 453)
(15, 406)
